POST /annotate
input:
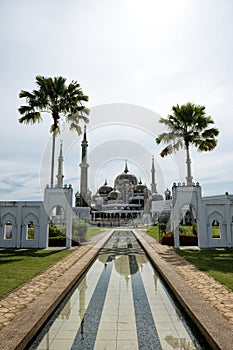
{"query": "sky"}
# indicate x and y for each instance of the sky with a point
(135, 60)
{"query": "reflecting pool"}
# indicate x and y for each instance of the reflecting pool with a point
(120, 303)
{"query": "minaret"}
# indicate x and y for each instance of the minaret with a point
(60, 175)
(153, 184)
(84, 167)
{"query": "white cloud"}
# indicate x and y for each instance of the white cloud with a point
(152, 54)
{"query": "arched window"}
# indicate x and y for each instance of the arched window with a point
(216, 230)
(8, 228)
(30, 234)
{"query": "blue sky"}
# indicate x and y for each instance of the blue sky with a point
(134, 60)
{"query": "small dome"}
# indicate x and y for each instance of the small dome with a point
(114, 194)
(157, 197)
(140, 188)
(105, 189)
(167, 194)
(95, 196)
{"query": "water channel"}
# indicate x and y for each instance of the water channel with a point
(120, 303)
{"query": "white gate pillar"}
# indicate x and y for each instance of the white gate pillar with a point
(62, 197)
(185, 195)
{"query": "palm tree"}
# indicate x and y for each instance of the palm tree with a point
(53, 96)
(188, 125)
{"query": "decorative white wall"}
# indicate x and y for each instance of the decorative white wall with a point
(206, 210)
(16, 217)
(219, 208)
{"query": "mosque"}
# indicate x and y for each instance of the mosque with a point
(25, 224)
(128, 201)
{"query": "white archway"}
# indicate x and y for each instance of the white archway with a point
(56, 197)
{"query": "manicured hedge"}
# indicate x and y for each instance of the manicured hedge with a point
(186, 240)
(60, 241)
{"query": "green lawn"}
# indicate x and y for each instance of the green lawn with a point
(93, 231)
(18, 266)
(216, 262)
(153, 232)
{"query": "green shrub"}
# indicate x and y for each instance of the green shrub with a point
(79, 230)
(163, 221)
(57, 238)
(188, 240)
(55, 231)
(182, 229)
(195, 229)
(60, 241)
(185, 240)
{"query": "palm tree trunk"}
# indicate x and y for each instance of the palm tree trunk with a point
(52, 158)
(189, 177)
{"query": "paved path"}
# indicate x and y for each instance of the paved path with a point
(209, 290)
(15, 302)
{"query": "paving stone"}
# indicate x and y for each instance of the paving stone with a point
(10, 315)
(3, 310)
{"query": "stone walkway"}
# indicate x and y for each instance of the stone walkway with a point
(209, 290)
(15, 302)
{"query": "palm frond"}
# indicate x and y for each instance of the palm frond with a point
(210, 132)
(207, 145)
(26, 94)
(25, 109)
(178, 145)
(30, 118)
(166, 151)
(54, 128)
(76, 127)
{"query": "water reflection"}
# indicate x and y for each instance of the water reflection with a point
(121, 289)
(65, 313)
(179, 343)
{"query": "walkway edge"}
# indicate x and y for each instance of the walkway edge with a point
(18, 334)
(215, 328)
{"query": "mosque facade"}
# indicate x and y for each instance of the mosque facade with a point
(128, 201)
(25, 224)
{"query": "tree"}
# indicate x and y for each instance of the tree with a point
(61, 101)
(188, 125)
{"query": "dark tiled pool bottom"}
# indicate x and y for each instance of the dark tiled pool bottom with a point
(120, 303)
(147, 336)
(86, 335)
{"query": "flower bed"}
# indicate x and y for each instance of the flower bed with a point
(185, 240)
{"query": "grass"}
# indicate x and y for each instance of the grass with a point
(218, 263)
(93, 231)
(153, 231)
(18, 266)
